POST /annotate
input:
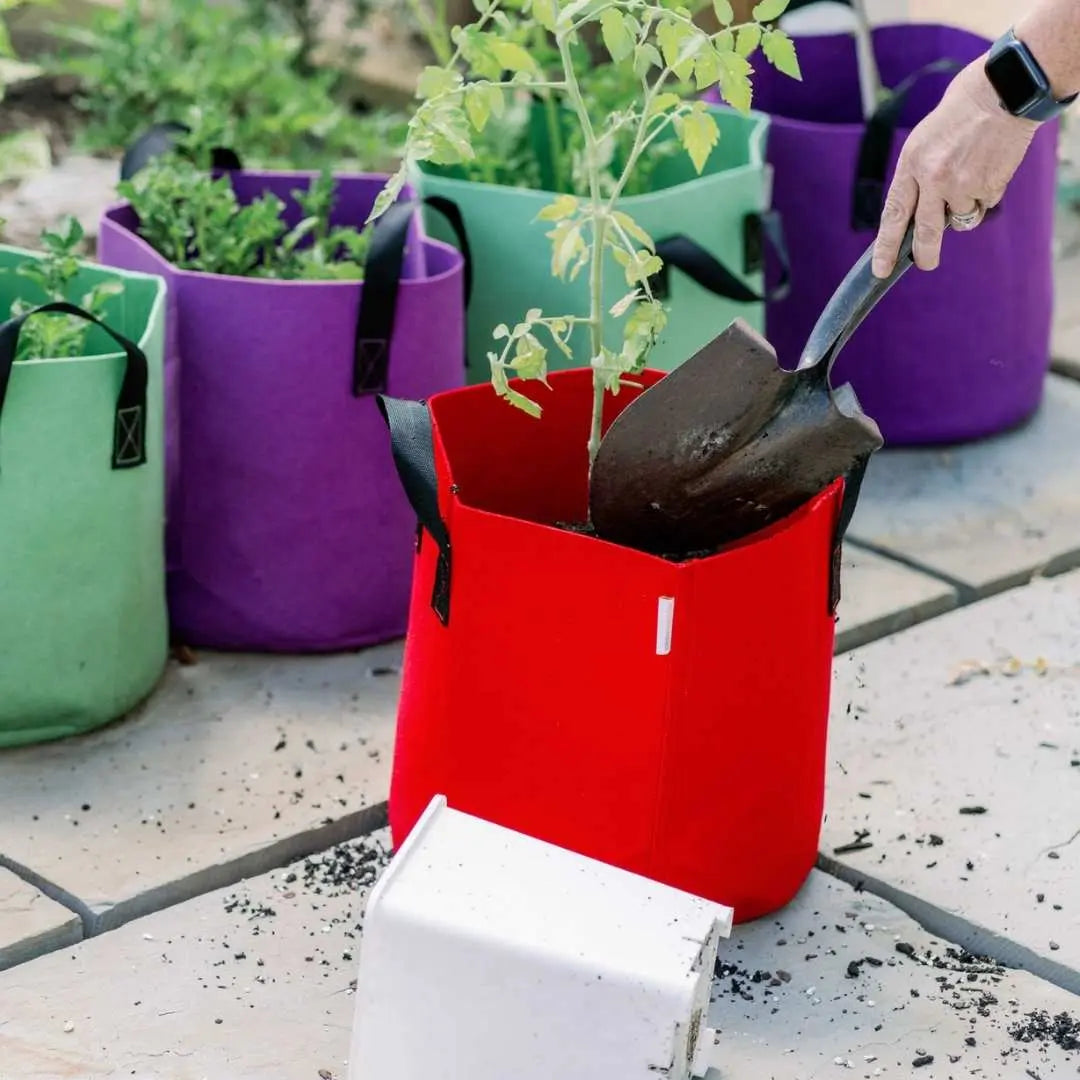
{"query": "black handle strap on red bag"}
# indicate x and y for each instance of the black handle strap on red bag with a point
(382, 267)
(129, 419)
(679, 252)
(853, 481)
(413, 446)
(868, 195)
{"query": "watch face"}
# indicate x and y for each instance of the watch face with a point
(1015, 82)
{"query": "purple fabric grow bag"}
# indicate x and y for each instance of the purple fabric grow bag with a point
(953, 355)
(287, 527)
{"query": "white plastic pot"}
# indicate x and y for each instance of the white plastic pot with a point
(488, 955)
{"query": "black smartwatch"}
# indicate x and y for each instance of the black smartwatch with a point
(1020, 82)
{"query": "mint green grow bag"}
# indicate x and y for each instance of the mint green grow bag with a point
(83, 628)
(511, 254)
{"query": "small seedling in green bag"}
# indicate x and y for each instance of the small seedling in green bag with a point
(55, 274)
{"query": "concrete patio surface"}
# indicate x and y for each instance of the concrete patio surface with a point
(841, 984)
(955, 773)
(235, 765)
(881, 596)
(181, 893)
(252, 982)
(988, 515)
(31, 923)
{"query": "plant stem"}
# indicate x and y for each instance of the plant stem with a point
(639, 143)
(599, 227)
(434, 31)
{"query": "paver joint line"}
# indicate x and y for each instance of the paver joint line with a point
(51, 890)
(955, 928)
(289, 849)
(965, 594)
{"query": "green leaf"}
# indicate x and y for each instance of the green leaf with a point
(770, 10)
(779, 50)
(632, 228)
(388, 196)
(545, 12)
(512, 56)
(566, 244)
(621, 307)
(698, 134)
(434, 81)
(691, 48)
(662, 102)
(747, 39)
(671, 36)
(617, 37)
(563, 207)
(520, 401)
(708, 69)
(477, 106)
(646, 57)
(530, 359)
(725, 14)
(735, 85)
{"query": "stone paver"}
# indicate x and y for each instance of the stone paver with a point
(987, 515)
(235, 765)
(252, 982)
(880, 596)
(31, 923)
(836, 998)
(955, 770)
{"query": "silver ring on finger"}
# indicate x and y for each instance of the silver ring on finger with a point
(966, 222)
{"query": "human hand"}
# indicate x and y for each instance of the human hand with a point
(960, 157)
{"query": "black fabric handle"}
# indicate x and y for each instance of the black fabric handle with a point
(413, 446)
(794, 5)
(382, 275)
(681, 253)
(868, 195)
(382, 268)
(452, 213)
(852, 487)
(129, 421)
(163, 139)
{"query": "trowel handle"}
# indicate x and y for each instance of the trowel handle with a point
(855, 298)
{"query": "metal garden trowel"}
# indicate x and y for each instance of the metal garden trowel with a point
(729, 443)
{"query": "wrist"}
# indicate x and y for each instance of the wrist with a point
(975, 84)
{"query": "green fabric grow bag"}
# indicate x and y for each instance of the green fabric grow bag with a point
(83, 627)
(511, 254)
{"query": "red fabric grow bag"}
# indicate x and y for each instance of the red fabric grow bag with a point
(539, 695)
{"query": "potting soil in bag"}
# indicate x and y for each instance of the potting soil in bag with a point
(288, 530)
(665, 717)
(710, 229)
(83, 628)
(952, 355)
